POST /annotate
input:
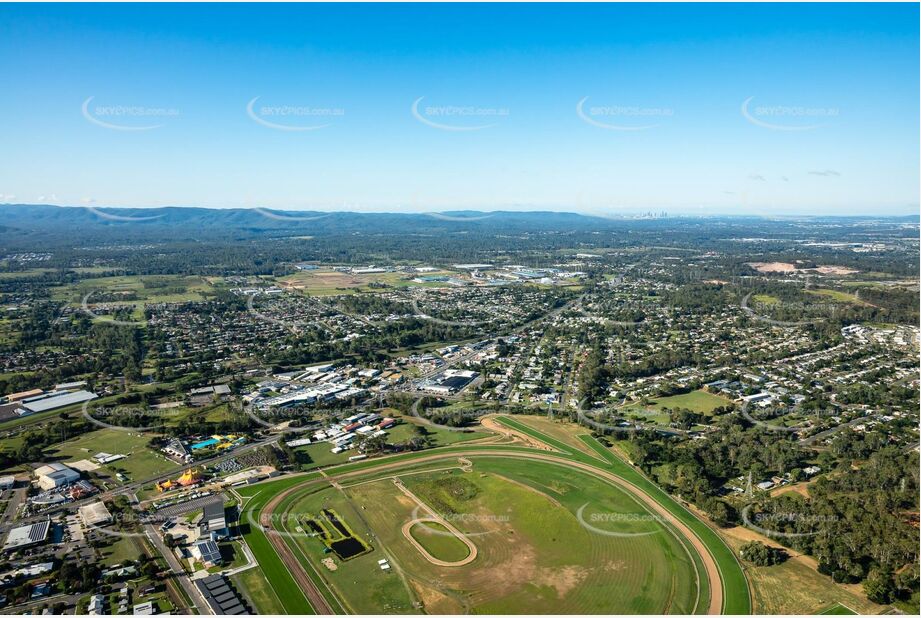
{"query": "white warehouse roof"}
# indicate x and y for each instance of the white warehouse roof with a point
(58, 401)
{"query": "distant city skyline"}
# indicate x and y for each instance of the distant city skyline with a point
(598, 109)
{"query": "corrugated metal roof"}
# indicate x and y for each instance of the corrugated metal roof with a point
(59, 401)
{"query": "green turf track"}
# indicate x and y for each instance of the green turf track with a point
(274, 570)
(287, 525)
(736, 596)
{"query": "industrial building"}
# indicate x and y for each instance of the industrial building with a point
(24, 395)
(54, 400)
(54, 475)
(27, 536)
(451, 381)
(213, 520)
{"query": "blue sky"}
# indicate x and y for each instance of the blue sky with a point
(748, 109)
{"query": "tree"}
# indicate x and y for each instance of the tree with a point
(879, 586)
(719, 512)
(150, 568)
(760, 554)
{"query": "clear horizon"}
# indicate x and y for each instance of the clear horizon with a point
(596, 109)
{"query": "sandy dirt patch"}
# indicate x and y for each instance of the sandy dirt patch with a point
(83, 465)
(329, 564)
(435, 601)
(562, 579)
(772, 267)
(835, 270)
(490, 423)
(798, 488)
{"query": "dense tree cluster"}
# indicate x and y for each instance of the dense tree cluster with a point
(760, 554)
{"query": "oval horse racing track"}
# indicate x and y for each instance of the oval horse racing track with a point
(643, 592)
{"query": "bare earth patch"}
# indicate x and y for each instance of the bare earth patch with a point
(329, 564)
(435, 601)
(786, 267)
(798, 488)
(490, 423)
(563, 579)
(835, 270)
(772, 267)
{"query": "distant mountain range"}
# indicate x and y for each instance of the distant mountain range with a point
(36, 221)
(34, 217)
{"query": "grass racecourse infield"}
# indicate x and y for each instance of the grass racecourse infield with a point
(552, 534)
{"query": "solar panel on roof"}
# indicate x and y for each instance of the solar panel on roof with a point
(234, 610)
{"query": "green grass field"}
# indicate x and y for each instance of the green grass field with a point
(562, 430)
(439, 437)
(141, 462)
(358, 584)
(138, 290)
(253, 584)
(439, 541)
(736, 598)
(121, 550)
(838, 610)
(795, 587)
(697, 401)
(331, 283)
(839, 296)
(765, 299)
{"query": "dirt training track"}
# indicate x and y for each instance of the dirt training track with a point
(434, 517)
(320, 603)
(407, 532)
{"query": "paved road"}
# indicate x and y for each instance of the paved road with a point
(830, 432)
(69, 599)
(16, 498)
(187, 507)
(180, 575)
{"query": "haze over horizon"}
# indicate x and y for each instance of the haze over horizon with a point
(601, 110)
(522, 209)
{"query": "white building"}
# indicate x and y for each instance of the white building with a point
(55, 475)
(27, 536)
(96, 605)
